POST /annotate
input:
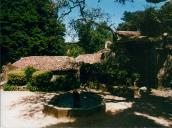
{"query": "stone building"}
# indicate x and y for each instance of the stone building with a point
(56, 64)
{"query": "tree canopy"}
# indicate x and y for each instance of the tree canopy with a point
(151, 22)
(91, 37)
(29, 27)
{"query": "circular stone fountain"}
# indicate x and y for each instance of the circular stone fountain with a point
(74, 104)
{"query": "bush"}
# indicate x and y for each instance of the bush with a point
(8, 87)
(122, 91)
(17, 77)
(32, 88)
(41, 78)
(66, 82)
(91, 72)
(28, 73)
(105, 73)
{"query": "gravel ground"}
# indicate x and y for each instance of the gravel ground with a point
(24, 110)
(162, 92)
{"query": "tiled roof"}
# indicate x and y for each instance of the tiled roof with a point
(52, 63)
(89, 58)
(128, 33)
(57, 63)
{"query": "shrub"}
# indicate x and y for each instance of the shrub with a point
(105, 73)
(91, 72)
(66, 82)
(28, 73)
(41, 78)
(122, 91)
(8, 87)
(17, 77)
(32, 88)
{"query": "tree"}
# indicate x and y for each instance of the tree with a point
(155, 1)
(165, 14)
(92, 38)
(131, 20)
(73, 49)
(151, 25)
(29, 28)
(87, 16)
(151, 21)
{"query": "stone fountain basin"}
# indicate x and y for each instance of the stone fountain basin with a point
(62, 105)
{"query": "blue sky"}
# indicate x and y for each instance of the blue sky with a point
(115, 10)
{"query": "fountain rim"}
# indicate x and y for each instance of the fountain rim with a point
(68, 108)
(72, 111)
(102, 103)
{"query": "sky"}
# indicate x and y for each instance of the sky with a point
(115, 10)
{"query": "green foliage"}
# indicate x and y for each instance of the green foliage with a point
(165, 15)
(131, 21)
(92, 38)
(8, 87)
(74, 50)
(32, 88)
(28, 73)
(66, 82)
(41, 82)
(41, 78)
(146, 21)
(151, 25)
(151, 21)
(29, 27)
(17, 77)
(113, 71)
(105, 73)
(122, 91)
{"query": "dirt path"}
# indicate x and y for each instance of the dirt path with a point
(24, 110)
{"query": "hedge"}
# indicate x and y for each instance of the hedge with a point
(104, 73)
(66, 82)
(17, 77)
(41, 78)
(28, 73)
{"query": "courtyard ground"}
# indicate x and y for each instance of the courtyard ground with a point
(24, 110)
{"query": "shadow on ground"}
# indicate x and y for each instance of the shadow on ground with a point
(32, 104)
(149, 111)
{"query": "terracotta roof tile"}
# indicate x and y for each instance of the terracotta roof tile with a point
(128, 33)
(90, 58)
(57, 63)
(52, 63)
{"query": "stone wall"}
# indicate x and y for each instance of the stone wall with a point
(5, 70)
